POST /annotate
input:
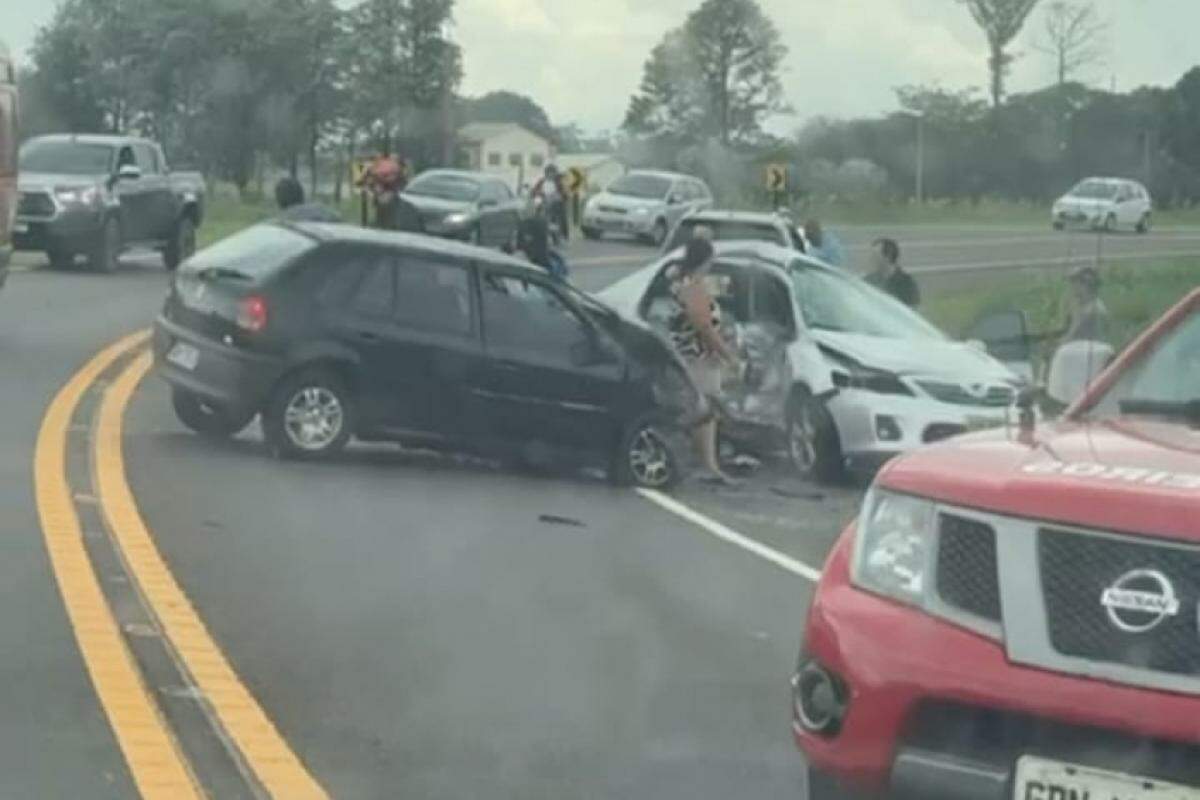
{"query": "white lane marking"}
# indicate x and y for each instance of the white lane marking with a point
(1052, 262)
(731, 536)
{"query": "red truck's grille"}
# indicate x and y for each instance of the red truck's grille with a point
(967, 577)
(1122, 601)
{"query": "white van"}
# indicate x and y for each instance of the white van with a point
(1106, 204)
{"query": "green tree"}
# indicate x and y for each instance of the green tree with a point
(717, 76)
(1000, 21)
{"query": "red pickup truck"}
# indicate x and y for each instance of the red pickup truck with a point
(1016, 614)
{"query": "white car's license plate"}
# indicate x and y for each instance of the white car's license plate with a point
(183, 355)
(1038, 779)
(20, 227)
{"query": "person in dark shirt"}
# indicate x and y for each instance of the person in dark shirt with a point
(889, 276)
(289, 196)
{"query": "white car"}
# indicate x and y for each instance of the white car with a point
(646, 205)
(840, 375)
(1108, 204)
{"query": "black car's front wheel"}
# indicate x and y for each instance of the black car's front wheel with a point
(310, 415)
(645, 458)
(205, 419)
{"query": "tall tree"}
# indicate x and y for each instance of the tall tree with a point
(1073, 37)
(1000, 21)
(717, 76)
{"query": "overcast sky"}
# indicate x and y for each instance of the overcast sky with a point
(581, 59)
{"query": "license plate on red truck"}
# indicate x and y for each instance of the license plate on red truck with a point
(1040, 779)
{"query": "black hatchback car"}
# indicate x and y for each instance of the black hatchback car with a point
(330, 331)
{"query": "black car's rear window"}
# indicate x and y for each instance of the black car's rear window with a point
(256, 253)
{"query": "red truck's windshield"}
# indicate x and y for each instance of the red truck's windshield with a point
(1161, 380)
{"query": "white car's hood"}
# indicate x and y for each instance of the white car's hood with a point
(956, 361)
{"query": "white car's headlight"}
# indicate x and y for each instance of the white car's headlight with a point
(894, 548)
(641, 212)
(456, 219)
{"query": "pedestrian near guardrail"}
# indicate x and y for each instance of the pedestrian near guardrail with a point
(889, 276)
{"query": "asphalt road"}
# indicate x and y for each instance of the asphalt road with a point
(425, 626)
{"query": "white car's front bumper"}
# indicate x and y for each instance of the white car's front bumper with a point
(875, 427)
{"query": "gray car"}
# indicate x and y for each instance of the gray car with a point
(101, 195)
(470, 206)
(646, 205)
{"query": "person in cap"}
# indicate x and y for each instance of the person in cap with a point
(289, 196)
(1089, 317)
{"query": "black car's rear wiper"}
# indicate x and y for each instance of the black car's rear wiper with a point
(222, 273)
(1188, 410)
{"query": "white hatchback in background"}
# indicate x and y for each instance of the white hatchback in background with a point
(646, 205)
(839, 374)
(1107, 204)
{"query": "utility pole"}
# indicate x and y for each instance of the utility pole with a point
(920, 159)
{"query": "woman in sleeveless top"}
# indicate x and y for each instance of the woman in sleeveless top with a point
(695, 331)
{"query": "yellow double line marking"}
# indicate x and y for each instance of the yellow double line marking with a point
(158, 766)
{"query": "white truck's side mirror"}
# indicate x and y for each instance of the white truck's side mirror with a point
(1075, 366)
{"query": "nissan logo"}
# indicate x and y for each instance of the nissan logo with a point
(1139, 601)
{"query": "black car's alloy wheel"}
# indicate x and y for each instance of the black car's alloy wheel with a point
(310, 415)
(645, 458)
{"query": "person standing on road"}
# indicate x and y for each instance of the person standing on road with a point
(553, 193)
(392, 211)
(289, 196)
(823, 245)
(888, 276)
(535, 241)
(696, 336)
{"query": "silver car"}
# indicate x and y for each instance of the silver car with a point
(646, 205)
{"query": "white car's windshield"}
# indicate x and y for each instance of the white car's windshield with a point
(646, 187)
(832, 301)
(1095, 190)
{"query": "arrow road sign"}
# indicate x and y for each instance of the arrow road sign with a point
(777, 177)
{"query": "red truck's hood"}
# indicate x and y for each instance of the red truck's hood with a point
(1127, 475)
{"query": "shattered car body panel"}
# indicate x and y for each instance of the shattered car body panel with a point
(890, 380)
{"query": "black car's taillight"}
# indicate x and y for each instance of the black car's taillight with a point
(252, 314)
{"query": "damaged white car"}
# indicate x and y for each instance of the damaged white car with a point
(838, 374)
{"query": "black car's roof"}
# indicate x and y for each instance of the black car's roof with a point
(333, 232)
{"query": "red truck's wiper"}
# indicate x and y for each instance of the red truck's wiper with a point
(1188, 410)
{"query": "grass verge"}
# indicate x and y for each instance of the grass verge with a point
(1136, 293)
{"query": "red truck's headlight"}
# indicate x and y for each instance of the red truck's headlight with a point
(894, 547)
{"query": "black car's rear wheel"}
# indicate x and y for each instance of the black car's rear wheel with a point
(310, 415)
(644, 457)
(205, 419)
